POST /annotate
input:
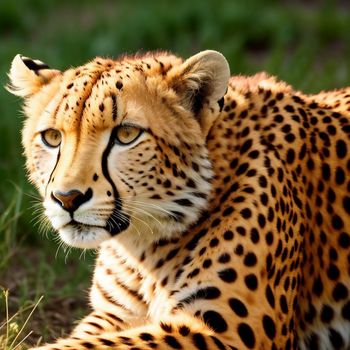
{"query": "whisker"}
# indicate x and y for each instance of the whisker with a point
(137, 218)
(150, 205)
(146, 212)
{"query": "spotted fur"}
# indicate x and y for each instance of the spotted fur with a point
(223, 225)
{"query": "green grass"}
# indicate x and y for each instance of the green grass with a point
(305, 45)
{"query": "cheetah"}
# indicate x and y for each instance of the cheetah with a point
(220, 206)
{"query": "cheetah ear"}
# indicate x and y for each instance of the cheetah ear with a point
(203, 78)
(27, 76)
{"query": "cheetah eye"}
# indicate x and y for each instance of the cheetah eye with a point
(126, 134)
(51, 137)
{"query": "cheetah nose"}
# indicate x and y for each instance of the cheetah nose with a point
(72, 199)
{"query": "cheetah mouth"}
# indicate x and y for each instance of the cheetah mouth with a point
(88, 236)
(79, 226)
(113, 227)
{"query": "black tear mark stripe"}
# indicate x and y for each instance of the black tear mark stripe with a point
(53, 170)
(34, 65)
(113, 225)
(104, 164)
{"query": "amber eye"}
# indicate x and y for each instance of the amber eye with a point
(51, 137)
(126, 134)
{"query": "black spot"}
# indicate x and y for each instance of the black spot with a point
(228, 275)
(166, 327)
(224, 258)
(270, 296)
(199, 341)
(326, 172)
(312, 342)
(106, 342)
(344, 240)
(246, 146)
(207, 263)
(346, 204)
(234, 163)
(238, 307)
(269, 238)
(340, 177)
(239, 250)
(215, 321)
(283, 304)
(184, 202)
(228, 235)
(146, 336)
(261, 220)
(254, 235)
(251, 281)
(262, 181)
(269, 327)
(172, 254)
(247, 335)
(250, 259)
(333, 272)
(289, 138)
(327, 314)
(242, 169)
(190, 183)
(241, 230)
(246, 213)
(336, 339)
(340, 292)
(341, 148)
(345, 311)
(317, 287)
(184, 331)
(194, 241)
(227, 211)
(208, 293)
(289, 108)
(219, 344)
(290, 156)
(172, 342)
(253, 154)
(337, 222)
(95, 177)
(167, 183)
(193, 273)
(119, 85)
(177, 215)
(214, 242)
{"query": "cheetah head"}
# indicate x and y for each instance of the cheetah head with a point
(118, 147)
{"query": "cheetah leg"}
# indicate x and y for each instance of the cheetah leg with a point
(189, 336)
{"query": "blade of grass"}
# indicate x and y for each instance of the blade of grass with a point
(22, 341)
(26, 321)
(6, 293)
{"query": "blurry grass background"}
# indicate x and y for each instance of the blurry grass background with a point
(306, 43)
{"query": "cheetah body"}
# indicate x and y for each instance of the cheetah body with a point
(236, 235)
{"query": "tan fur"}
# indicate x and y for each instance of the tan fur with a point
(236, 211)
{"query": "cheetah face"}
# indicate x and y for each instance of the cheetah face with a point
(119, 147)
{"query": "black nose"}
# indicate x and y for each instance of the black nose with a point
(72, 199)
